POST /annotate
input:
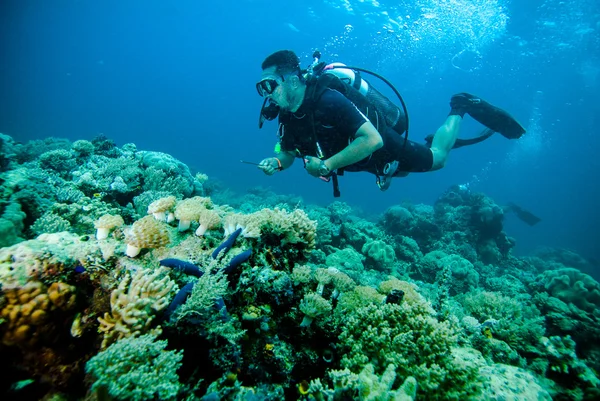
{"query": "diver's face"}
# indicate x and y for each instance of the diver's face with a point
(275, 87)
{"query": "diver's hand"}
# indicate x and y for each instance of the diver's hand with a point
(270, 165)
(312, 165)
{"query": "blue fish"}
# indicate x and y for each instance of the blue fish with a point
(186, 267)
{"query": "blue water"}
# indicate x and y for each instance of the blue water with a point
(178, 77)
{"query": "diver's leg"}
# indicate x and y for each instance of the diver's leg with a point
(444, 140)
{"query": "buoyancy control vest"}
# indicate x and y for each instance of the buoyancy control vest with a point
(380, 111)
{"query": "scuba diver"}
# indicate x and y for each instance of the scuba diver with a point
(336, 121)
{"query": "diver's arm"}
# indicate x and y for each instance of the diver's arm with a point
(366, 141)
(271, 165)
(286, 159)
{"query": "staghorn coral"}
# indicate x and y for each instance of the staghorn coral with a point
(135, 303)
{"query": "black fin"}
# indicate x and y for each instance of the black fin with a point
(523, 215)
(491, 116)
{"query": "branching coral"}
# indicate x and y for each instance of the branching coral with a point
(136, 369)
(135, 303)
(410, 337)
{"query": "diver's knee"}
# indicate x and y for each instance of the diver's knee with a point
(439, 159)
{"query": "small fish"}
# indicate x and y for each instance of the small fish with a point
(292, 27)
(79, 269)
(487, 332)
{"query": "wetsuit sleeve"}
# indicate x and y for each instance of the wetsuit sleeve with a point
(337, 111)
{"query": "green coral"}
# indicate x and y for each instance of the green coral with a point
(379, 255)
(137, 368)
(11, 224)
(519, 323)
(563, 360)
(83, 148)
(60, 160)
(50, 223)
(572, 286)
(411, 338)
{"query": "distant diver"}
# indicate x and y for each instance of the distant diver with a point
(336, 121)
(523, 215)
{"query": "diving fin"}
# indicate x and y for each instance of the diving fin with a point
(483, 135)
(492, 117)
(523, 215)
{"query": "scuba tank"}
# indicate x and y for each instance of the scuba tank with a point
(394, 117)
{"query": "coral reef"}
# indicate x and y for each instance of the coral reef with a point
(125, 275)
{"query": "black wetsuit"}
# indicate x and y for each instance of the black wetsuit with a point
(336, 120)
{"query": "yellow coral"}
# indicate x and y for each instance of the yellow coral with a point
(134, 304)
(208, 220)
(160, 207)
(106, 223)
(301, 274)
(341, 282)
(29, 308)
(145, 233)
(294, 227)
(189, 210)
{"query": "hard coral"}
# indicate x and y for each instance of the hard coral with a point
(29, 309)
